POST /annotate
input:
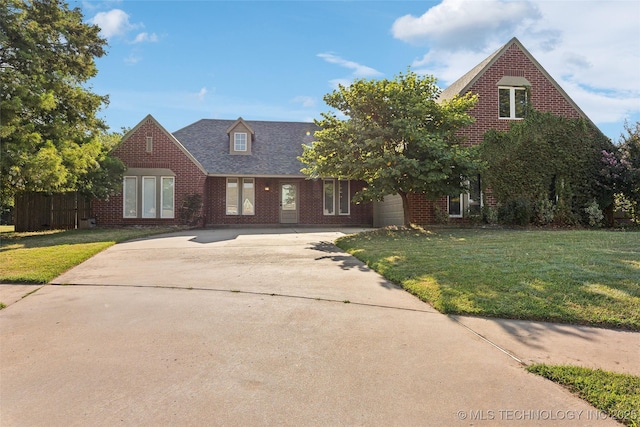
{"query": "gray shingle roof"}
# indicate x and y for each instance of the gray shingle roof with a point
(275, 148)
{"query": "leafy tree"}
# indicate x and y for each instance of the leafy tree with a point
(396, 137)
(629, 183)
(50, 132)
(548, 158)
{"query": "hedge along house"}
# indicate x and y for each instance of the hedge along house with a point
(506, 82)
(246, 172)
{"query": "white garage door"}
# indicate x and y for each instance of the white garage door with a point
(388, 212)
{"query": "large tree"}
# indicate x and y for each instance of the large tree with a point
(50, 131)
(396, 137)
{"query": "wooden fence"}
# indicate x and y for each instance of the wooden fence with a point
(41, 211)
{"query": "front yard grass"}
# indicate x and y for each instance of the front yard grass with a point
(617, 395)
(40, 257)
(589, 277)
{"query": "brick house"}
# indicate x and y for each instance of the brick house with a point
(505, 82)
(247, 172)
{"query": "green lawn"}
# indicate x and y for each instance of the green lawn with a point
(589, 277)
(618, 395)
(42, 256)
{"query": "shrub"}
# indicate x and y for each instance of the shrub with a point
(594, 213)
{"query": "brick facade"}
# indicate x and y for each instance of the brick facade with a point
(267, 204)
(543, 96)
(164, 154)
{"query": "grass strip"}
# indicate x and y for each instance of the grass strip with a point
(589, 277)
(617, 395)
(40, 257)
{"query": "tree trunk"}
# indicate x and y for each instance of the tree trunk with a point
(405, 208)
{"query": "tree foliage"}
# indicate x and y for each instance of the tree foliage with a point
(396, 137)
(548, 163)
(629, 165)
(50, 131)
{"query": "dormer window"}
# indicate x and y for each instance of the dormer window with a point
(239, 141)
(241, 138)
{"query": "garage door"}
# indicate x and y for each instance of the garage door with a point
(388, 211)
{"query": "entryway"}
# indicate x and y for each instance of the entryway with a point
(288, 203)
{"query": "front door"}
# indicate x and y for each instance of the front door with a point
(288, 203)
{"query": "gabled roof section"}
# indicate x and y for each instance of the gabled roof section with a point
(275, 153)
(464, 83)
(169, 135)
(244, 123)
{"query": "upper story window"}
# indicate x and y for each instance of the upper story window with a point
(239, 141)
(512, 102)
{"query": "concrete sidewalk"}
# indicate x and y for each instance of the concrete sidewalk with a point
(271, 327)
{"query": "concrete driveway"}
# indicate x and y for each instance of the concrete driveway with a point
(254, 327)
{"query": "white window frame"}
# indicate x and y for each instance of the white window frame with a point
(153, 212)
(329, 185)
(239, 145)
(512, 101)
(170, 212)
(465, 202)
(338, 185)
(340, 193)
(127, 187)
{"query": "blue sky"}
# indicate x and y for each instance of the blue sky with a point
(182, 61)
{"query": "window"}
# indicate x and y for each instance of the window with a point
(232, 196)
(512, 102)
(148, 197)
(130, 196)
(241, 195)
(149, 144)
(144, 191)
(455, 205)
(342, 195)
(329, 197)
(167, 197)
(459, 205)
(240, 141)
(248, 196)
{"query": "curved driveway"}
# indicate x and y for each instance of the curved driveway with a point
(254, 327)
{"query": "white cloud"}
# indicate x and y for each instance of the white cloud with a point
(113, 23)
(359, 70)
(464, 23)
(145, 37)
(592, 49)
(202, 93)
(132, 59)
(306, 101)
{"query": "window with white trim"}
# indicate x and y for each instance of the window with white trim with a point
(241, 196)
(336, 193)
(167, 197)
(460, 205)
(143, 191)
(512, 102)
(239, 141)
(130, 197)
(149, 197)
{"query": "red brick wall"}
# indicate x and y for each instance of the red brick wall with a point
(267, 204)
(165, 154)
(543, 97)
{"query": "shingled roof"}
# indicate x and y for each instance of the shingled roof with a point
(275, 148)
